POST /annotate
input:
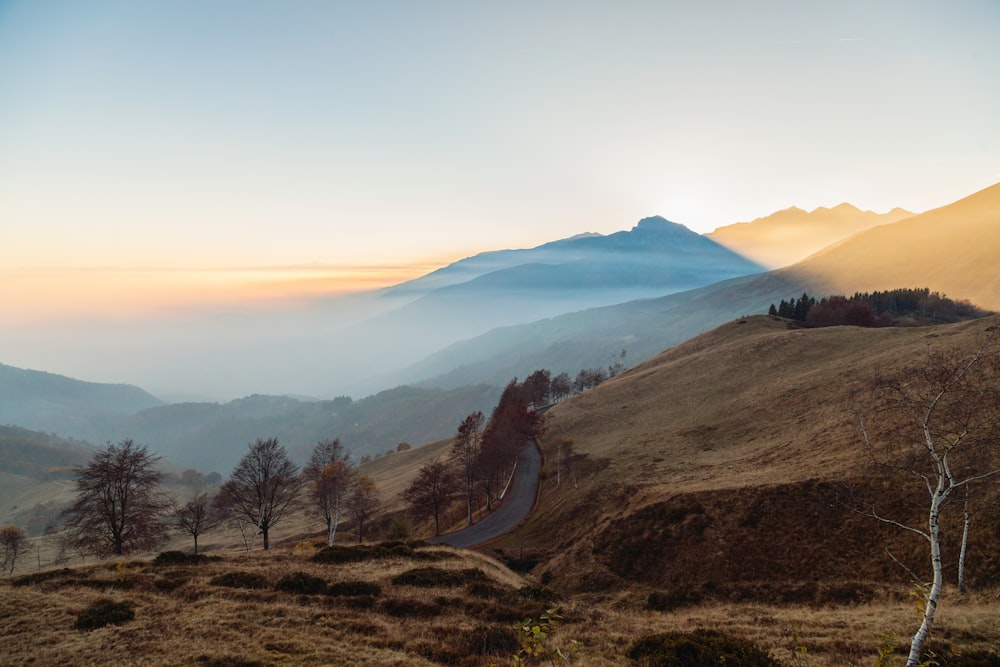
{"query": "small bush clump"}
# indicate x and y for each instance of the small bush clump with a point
(104, 612)
(354, 588)
(485, 590)
(701, 648)
(166, 558)
(430, 577)
(409, 608)
(40, 577)
(300, 582)
(239, 580)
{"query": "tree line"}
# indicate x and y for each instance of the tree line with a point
(120, 507)
(876, 309)
(483, 454)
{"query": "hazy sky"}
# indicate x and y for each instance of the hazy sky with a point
(301, 142)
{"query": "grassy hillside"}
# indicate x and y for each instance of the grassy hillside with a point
(718, 469)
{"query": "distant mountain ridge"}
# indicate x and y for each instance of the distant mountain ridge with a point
(44, 401)
(952, 249)
(792, 234)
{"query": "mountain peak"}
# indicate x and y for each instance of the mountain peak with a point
(657, 222)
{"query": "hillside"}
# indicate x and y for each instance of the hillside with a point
(718, 465)
(788, 236)
(953, 248)
(49, 402)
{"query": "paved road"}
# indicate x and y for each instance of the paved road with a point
(518, 503)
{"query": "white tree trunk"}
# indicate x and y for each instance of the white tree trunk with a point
(965, 545)
(930, 609)
(334, 520)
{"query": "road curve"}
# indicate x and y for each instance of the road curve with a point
(516, 506)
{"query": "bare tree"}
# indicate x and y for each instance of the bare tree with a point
(13, 544)
(561, 387)
(363, 503)
(564, 455)
(465, 451)
(328, 477)
(196, 517)
(263, 488)
(430, 493)
(938, 423)
(118, 507)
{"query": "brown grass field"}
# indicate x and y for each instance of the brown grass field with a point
(707, 491)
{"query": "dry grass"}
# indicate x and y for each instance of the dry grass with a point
(182, 619)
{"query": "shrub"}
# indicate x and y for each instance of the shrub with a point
(300, 582)
(429, 577)
(239, 580)
(489, 591)
(674, 599)
(354, 588)
(166, 558)
(539, 594)
(104, 612)
(409, 608)
(40, 577)
(701, 648)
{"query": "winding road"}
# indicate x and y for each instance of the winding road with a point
(515, 507)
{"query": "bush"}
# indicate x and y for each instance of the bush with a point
(674, 599)
(701, 648)
(104, 612)
(239, 580)
(300, 582)
(409, 608)
(40, 577)
(485, 590)
(430, 577)
(354, 588)
(181, 558)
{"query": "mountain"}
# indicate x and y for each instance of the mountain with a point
(952, 249)
(213, 436)
(792, 234)
(45, 401)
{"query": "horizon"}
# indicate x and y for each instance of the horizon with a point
(170, 161)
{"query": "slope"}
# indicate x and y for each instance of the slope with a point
(50, 402)
(952, 249)
(718, 465)
(792, 234)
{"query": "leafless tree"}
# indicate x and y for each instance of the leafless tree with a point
(13, 544)
(363, 503)
(432, 490)
(465, 451)
(196, 517)
(939, 423)
(328, 478)
(263, 488)
(119, 508)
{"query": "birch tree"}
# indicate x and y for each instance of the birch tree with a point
(937, 422)
(329, 476)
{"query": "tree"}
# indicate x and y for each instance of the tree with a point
(538, 387)
(363, 503)
(263, 488)
(13, 544)
(561, 387)
(196, 517)
(328, 477)
(434, 487)
(465, 451)
(118, 508)
(512, 426)
(938, 423)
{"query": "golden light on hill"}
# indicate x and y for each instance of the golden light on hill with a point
(953, 250)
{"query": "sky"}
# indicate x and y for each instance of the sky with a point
(167, 154)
